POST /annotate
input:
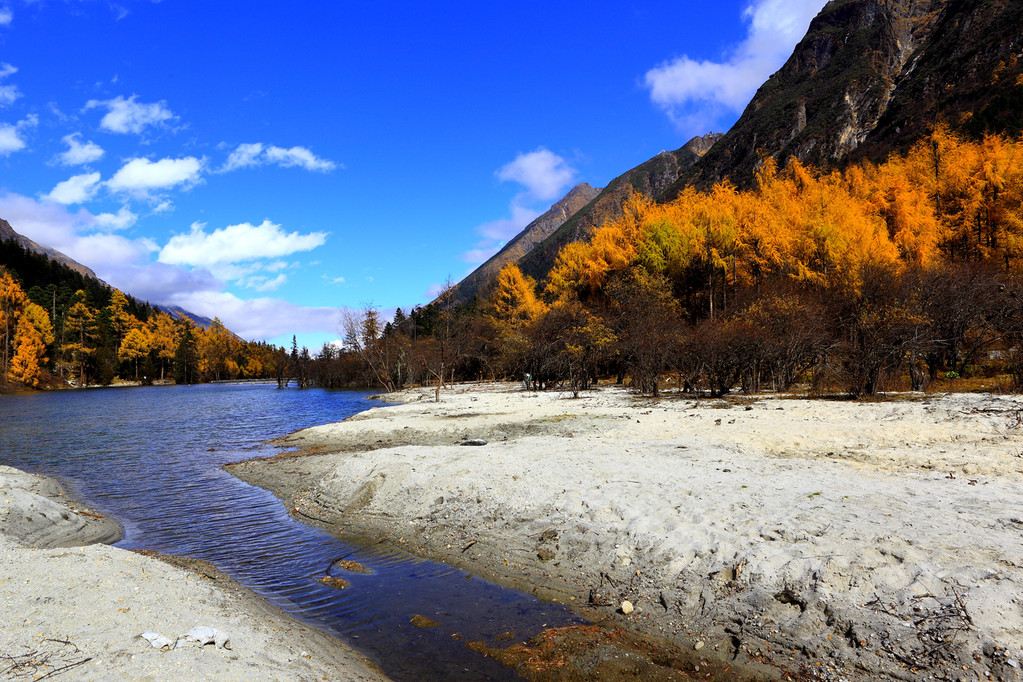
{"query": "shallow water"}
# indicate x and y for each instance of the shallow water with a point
(151, 458)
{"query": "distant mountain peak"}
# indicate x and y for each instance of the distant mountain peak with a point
(524, 242)
(871, 77)
(651, 178)
(177, 313)
(7, 232)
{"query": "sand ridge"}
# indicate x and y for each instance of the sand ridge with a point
(77, 609)
(846, 540)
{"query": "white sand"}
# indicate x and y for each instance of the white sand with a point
(64, 604)
(855, 540)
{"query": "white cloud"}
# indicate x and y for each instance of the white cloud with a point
(257, 154)
(12, 136)
(267, 284)
(544, 174)
(75, 190)
(113, 257)
(8, 93)
(298, 156)
(110, 254)
(79, 154)
(6, 16)
(166, 284)
(498, 232)
(126, 264)
(129, 115)
(480, 254)
(236, 244)
(695, 93)
(245, 156)
(116, 221)
(140, 175)
(434, 290)
(259, 318)
(506, 228)
(10, 139)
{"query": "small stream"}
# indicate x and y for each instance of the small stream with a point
(151, 458)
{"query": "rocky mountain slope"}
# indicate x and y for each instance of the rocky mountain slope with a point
(651, 178)
(871, 77)
(7, 232)
(524, 242)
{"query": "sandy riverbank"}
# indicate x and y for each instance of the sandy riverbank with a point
(840, 540)
(75, 608)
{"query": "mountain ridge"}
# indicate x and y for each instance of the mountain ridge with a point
(869, 78)
(652, 177)
(8, 232)
(522, 243)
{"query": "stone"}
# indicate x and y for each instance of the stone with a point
(421, 621)
(332, 581)
(156, 640)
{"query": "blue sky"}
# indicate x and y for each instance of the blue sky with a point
(271, 163)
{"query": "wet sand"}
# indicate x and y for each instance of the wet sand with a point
(773, 536)
(76, 608)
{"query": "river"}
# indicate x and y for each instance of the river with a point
(152, 458)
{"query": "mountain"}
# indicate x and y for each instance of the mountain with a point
(872, 77)
(650, 178)
(177, 313)
(524, 242)
(869, 78)
(91, 282)
(574, 217)
(7, 232)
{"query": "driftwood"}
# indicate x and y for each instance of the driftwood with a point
(39, 664)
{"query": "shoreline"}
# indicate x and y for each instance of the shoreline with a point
(80, 606)
(779, 536)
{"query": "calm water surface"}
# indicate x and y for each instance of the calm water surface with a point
(152, 457)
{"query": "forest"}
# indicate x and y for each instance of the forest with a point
(60, 328)
(878, 277)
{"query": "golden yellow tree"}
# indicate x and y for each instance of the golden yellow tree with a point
(135, 345)
(513, 299)
(12, 298)
(120, 319)
(216, 346)
(163, 339)
(30, 339)
(79, 331)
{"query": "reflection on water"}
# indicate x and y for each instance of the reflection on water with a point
(152, 458)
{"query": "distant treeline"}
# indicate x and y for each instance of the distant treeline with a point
(59, 327)
(878, 277)
(872, 278)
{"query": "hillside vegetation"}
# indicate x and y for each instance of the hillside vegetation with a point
(61, 327)
(872, 278)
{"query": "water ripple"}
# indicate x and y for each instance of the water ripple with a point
(152, 458)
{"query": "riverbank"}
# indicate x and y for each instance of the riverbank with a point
(771, 536)
(79, 608)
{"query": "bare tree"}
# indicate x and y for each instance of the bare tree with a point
(648, 324)
(362, 334)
